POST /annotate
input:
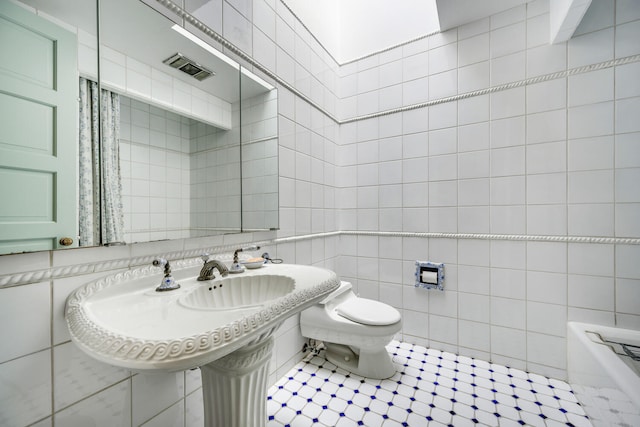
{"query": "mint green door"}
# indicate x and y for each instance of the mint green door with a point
(38, 132)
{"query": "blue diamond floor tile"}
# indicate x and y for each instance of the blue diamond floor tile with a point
(430, 388)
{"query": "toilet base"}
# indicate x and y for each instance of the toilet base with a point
(369, 364)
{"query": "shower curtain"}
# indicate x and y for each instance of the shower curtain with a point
(101, 219)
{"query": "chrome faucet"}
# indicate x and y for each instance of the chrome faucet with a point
(206, 273)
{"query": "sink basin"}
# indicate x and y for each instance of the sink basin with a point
(239, 292)
(121, 320)
(224, 326)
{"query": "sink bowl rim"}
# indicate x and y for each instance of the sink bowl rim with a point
(174, 354)
(230, 278)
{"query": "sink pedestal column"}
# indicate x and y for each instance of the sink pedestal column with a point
(235, 387)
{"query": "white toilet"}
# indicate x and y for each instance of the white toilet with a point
(354, 330)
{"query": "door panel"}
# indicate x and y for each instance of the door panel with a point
(38, 131)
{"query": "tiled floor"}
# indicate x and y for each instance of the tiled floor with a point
(430, 388)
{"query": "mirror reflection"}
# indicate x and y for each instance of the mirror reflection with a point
(185, 144)
(49, 44)
(259, 133)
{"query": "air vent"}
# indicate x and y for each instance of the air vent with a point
(186, 65)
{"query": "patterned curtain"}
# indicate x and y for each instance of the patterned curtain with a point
(101, 219)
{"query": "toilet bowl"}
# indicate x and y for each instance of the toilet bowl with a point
(354, 330)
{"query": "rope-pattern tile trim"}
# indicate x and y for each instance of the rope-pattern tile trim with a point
(191, 257)
(499, 88)
(511, 237)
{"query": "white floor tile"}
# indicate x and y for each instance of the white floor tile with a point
(430, 388)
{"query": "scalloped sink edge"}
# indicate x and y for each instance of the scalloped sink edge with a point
(120, 320)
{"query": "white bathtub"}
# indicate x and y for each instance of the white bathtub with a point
(606, 384)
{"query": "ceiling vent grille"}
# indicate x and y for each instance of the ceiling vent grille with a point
(186, 65)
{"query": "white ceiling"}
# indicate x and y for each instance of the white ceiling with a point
(350, 29)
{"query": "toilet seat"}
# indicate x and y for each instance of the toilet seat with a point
(368, 312)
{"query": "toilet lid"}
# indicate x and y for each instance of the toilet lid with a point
(368, 312)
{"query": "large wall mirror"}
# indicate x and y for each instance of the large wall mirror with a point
(168, 138)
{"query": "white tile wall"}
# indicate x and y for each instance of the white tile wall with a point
(496, 295)
(554, 158)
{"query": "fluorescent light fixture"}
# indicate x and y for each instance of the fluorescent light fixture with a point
(256, 79)
(206, 46)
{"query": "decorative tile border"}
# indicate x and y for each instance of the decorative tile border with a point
(226, 251)
(507, 86)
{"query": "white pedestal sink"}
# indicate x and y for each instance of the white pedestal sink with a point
(224, 326)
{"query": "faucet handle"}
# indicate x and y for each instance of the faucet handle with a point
(204, 257)
(159, 262)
